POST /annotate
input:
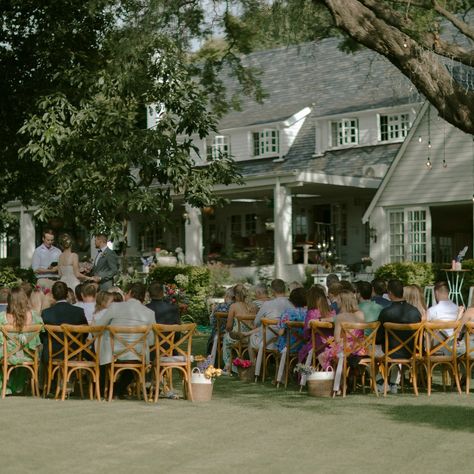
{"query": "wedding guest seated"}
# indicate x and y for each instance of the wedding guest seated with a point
(399, 312)
(116, 296)
(333, 291)
(61, 312)
(71, 296)
(261, 295)
(318, 309)
(379, 290)
(88, 293)
(444, 309)
(413, 294)
(131, 313)
(370, 308)
(102, 301)
(330, 279)
(4, 292)
(272, 309)
(241, 307)
(298, 313)
(165, 311)
(219, 308)
(348, 312)
(347, 285)
(18, 314)
(78, 292)
(293, 285)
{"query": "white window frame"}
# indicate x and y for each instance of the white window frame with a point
(398, 126)
(344, 132)
(268, 142)
(414, 242)
(217, 147)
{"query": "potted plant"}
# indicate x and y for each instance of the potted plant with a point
(165, 258)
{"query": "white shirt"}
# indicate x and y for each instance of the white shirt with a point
(43, 257)
(444, 311)
(88, 307)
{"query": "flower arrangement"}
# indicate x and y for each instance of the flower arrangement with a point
(85, 266)
(304, 369)
(366, 261)
(243, 363)
(206, 367)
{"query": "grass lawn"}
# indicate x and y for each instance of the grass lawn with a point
(246, 428)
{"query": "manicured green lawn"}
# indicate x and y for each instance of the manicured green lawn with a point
(246, 428)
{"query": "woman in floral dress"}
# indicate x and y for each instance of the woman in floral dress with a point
(19, 315)
(319, 310)
(349, 313)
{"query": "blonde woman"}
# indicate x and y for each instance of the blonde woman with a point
(102, 301)
(240, 307)
(413, 294)
(68, 264)
(18, 314)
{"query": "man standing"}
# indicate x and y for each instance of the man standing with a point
(130, 313)
(45, 261)
(399, 312)
(165, 312)
(445, 309)
(105, 264)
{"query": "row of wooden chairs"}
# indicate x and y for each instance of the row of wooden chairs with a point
(79, 350)
(428, 344)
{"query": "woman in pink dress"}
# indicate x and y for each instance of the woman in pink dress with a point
(349, 312)
(318, 309)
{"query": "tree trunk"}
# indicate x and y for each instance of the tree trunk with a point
(424, 68)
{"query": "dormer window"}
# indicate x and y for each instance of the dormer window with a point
(217, 147)
(266, 143)
(393, 127)
(345, 132)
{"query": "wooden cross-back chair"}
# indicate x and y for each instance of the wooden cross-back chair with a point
(294, 330)
(409, 339)
(173, 347)
(244, 324)
(468, 357)
(129, 352)
(81, 353)
(16, 345)
(364, 345)
(269, 325)
(55, 336)
(220, 316)
(440, 350)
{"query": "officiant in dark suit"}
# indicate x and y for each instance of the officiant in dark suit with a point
(105, 265)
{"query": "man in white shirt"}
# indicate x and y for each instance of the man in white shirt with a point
(45, 261)
(445, 309)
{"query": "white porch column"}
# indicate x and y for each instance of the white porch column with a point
(282, 215)
(27, 238)
(193, 236)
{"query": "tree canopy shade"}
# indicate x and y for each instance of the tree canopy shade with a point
(79, 76)
(429, 41)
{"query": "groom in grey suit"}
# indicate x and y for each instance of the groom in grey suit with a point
(105, 264)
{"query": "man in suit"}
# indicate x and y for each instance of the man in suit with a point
(165, 311)
(105, 264)
(60, 313)
(131, 313)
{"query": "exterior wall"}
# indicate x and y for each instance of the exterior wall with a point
(412, 183)
(379, 244)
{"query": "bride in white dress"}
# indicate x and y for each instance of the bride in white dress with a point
(68, 264)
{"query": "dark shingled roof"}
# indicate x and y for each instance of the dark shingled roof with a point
(318, 73)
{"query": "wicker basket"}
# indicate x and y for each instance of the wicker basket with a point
(320, 384)
(247, 374)
(202, 392)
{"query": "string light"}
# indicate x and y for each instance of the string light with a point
(428, 163)
(419, 139)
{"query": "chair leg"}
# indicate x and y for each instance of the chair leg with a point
(111, 383)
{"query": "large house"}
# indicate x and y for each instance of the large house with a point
(312, 157)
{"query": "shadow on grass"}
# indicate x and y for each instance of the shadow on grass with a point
(456, 418)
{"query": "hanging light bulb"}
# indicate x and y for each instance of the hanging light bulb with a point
(429, 144)
(428, 163)
(445, 164)
(419, 139)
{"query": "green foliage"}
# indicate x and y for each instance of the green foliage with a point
(196, 284)
(408, 272)
(219, 275)
(8, 277)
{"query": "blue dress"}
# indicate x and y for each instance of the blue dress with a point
(292, 314)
